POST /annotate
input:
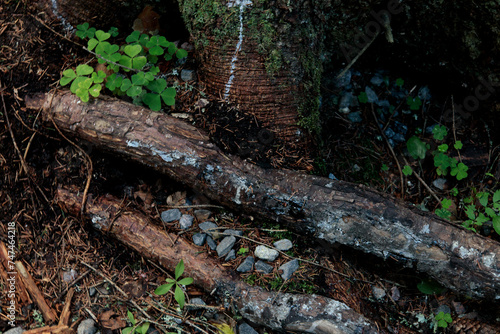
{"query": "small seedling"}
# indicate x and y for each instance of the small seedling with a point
(442, 320)
(179, 292)
(142, 329)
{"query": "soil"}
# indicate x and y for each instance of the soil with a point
(35, 159)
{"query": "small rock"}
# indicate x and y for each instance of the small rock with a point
(169, 216)
(211, 243)
(265, 253)
(440, 183)
(199, 239)
(264, 267)
(378, 293)
(371, 95)
(92, 291)
(246, 265)
(205, 226)
(70, 276)
(225, 245)
(395, 294)
(283, 245)
(289, 268)
(186, 221)
(87, 326)
(15, 330)
(196, 301)
(231, 255)
(233, 232)
(245, 328)
(202, 214)
(187, 75)
(355, 117)
(458, 307)
(443, 308)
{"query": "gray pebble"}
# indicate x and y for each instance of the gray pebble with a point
(196, 301)
(264, 267)
(207, 226)
(202, 214)
(246, 265)
(15, 330)
(289, 268)
(245, 328)
(231, 255)
(199, 239)
(92, 291)
(187, 75)
(283, 245)
(169, 216)
(186, 221)
(225, 245)
(378, 293)
(87, 326)
(266, 253)
(211, 243)
(233, 232)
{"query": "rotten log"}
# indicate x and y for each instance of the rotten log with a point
(276, 310)
(334, 211)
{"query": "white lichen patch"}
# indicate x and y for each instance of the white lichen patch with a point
(190, 159)
(489, 260)
(425, 229)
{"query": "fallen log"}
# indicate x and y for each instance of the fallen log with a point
(275, 310)
(335, 211)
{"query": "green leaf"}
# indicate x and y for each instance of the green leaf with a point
(384, 168)
(407, 170)
(83, 31)
(179, 296)
(490, 212)
(483, 198)
(496, 196)
(114, 81)
(414, 103)
(496, 224)
(156, 51)
(416, 147)
(92, 43)
(481, 218)
(460, 171)
(68, 76)
(83, 94)
(446, 203)
(181, 53)
(130, 317)
(363, 97)
(113, 31)
(443, 148)
(470, 211)
(454, 191)
(126, 61)
(127, 330)
(132, 50)
(157, 86)
(442, 324)
(133, 37)
(179, 269)
(85, 84)
(139, 79)
(95, 90)
(186, 281)
(126, 84)
(98, 77)
(442, 161)
(84, 69)
(143, 329)
(443, 213)
(439, 132)
(101, 35)
(400, 82)
(152, 100)
(134, 91)
(447, 318)
(163, 289)
(430, 287)
(458, 145)
(76, 84)
(139, 62)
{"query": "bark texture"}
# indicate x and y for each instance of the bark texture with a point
(279, 311)
(334, 211)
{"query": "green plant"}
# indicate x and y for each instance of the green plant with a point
(441, 320)
(131, 67)
(486, 210)
(142, 329)
(179, 292)
(242, 251)
(38, 317)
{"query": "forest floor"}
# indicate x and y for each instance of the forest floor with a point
(54, 247)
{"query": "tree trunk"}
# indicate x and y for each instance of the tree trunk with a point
(333, 211)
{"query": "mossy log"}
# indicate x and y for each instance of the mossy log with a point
(332, 211)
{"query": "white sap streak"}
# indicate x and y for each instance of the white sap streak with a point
(55, 10)
(242, 4)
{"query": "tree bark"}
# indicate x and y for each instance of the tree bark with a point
(275, 310)
(334, 211)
